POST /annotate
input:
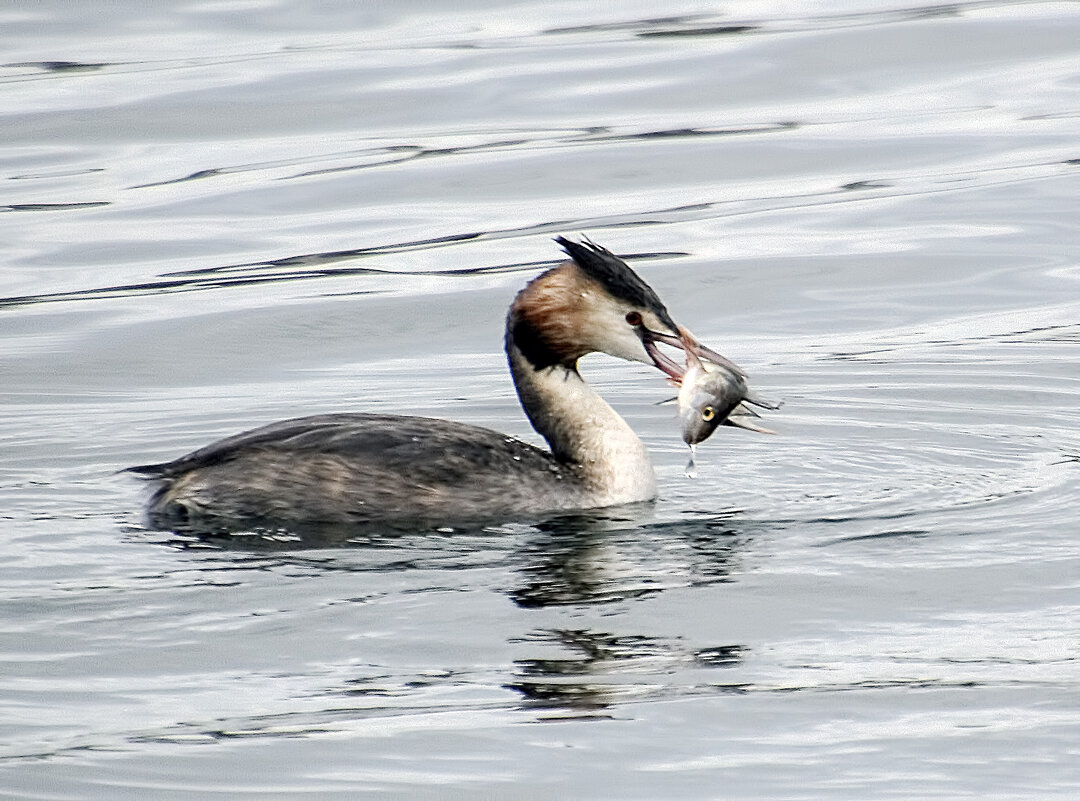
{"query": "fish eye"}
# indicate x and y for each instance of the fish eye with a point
(633, 318)
(708, 413)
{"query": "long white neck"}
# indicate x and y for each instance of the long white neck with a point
(583, 431)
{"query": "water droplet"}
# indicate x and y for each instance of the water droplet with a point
(691, 467)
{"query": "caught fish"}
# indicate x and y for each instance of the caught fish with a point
(707, 397)
(712, 393)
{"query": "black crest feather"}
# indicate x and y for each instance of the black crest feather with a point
(616, 276)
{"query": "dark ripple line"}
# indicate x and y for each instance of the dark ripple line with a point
(880, 535)
(162, 287)
(564, 698)
(1064, 333)
(708, 30)
(399, 154)
(702, 24)
(657, 27)
(90, 204)
(858, 191)
(591, 135)
(59, 66)
(218, 278)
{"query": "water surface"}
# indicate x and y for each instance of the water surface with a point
(216, 215)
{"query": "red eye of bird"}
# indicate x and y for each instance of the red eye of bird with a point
(633, 318)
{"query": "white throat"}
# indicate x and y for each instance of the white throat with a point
(584, 431)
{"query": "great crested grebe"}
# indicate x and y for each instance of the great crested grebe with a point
(418, 471)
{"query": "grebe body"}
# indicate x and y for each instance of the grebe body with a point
(416, 471)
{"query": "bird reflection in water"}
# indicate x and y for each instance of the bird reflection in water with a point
(604, 556)
(603, 669)
(598, 558)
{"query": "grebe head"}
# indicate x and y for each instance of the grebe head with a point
(593, 302)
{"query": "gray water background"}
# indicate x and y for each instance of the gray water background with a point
(220, 214)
